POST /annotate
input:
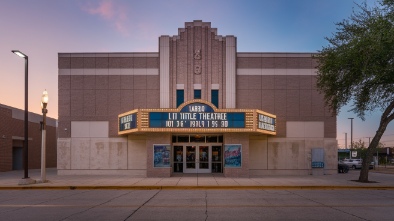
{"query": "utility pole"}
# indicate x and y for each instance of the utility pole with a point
(351, 134)
(345, 140)
(350, 154)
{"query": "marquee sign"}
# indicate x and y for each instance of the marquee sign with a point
(128, 122)
(266, 122)
(197, 116)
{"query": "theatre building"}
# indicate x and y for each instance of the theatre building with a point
(195, 106)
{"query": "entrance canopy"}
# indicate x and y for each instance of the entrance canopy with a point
(197, 116)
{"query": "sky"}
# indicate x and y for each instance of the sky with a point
(43, 28)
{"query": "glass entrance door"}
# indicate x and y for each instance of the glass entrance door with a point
(197, 159)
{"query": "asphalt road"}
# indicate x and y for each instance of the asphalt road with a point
(196, 204)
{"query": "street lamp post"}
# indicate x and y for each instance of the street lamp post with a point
(25, 180)
(351, 134)
(44, 103)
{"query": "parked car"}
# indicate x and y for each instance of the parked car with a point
(353, 163)
(356, 163)
(372, 165)
(342, 168)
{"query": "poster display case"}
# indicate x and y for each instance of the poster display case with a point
(161, 155)
(233, 155)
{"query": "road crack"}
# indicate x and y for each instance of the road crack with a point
(141, 205)
(95, 205)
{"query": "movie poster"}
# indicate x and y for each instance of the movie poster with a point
(161, 155)
(233, 155)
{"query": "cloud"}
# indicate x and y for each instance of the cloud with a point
(115, 15)
(105, 9)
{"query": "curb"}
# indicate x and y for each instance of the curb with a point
(195, 187)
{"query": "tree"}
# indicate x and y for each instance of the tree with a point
(358, 144)
(358, 66)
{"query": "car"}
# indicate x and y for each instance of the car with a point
(353, 163)
(342, 168)
(372, 165)
(356, 163)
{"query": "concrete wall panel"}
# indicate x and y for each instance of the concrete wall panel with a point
(108, 153)
(80, 153)
(293, 156)
(99, 154)
(92, 154)
(118, 153)
(64, 153)
(258, 154)
(137, 149)
(331, 154)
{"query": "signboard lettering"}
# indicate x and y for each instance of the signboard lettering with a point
(266, 123)
(196, 116)
(127, 122)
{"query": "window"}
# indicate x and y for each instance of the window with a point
(215, 97)
(197, 94)
(212, 138)
(179, 97)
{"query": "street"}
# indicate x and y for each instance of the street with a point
(347, 204)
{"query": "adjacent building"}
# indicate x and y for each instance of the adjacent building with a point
(195, 106)
(12, 138)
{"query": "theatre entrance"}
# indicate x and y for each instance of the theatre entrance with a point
(196, 157)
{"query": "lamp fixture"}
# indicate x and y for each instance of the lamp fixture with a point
(44, 99)
(20, 54)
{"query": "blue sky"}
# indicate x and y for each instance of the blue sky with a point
(43, 28)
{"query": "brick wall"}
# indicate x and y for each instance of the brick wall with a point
(10, 127)
(90, 95)
(5, 139)
(289, 97)
(197, 35)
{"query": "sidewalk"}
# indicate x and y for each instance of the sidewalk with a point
(384, 179)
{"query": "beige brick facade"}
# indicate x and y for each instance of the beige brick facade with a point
(99, 86)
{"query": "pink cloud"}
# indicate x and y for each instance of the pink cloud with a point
(116, 15)
(105, 9)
